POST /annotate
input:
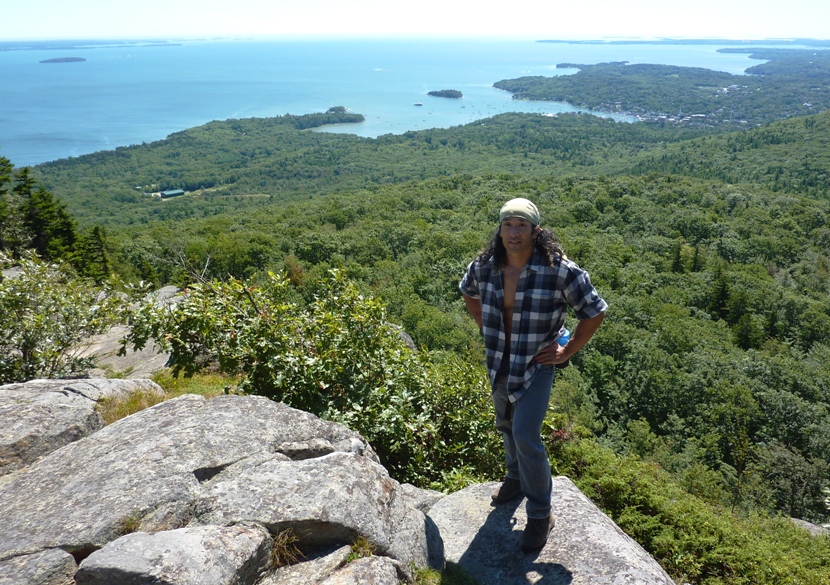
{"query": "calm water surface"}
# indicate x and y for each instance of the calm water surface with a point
(132, 93)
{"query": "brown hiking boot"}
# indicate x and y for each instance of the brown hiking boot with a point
(536, 532)
(510, 489)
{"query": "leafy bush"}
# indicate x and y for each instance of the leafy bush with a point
(693, 540)
(337, 357)
(45, 313)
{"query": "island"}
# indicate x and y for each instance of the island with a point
(447, 93)
(64, 60)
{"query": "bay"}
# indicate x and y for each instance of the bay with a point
(127, 93)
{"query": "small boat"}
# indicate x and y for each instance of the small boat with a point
(418, 104)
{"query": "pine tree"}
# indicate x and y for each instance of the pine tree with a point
(718, 302)
(51, 228)
(24, 183)
(90, 257)
(16, 238)
(5, 212)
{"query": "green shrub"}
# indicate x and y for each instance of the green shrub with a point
(339, 358)
(46, 311)
(693, 540)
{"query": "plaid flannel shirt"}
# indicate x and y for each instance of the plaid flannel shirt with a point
(543, 295)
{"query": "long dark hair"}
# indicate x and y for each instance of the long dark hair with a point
(546, 242)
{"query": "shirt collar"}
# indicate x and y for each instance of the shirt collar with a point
(538, 261)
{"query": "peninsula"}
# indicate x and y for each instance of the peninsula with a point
(789, 83)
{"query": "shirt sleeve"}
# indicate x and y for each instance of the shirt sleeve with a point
(581, 295)
(469, 284)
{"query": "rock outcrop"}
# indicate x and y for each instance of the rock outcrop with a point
(40, 416)
(585, 547)
(105, 348)
(199, 491)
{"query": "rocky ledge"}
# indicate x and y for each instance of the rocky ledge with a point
(194, 491)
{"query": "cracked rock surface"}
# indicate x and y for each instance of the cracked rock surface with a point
(40, 416)
(185, 474)
(199, 491)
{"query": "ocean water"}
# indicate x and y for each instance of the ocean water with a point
(130, 93)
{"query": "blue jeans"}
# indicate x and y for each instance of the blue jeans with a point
(520, 424)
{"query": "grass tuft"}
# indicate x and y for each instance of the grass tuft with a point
(113, 409)
(208, 385)
(204, 384)
(284, 550)
(129, 524)
(453, 574)
(361, 548)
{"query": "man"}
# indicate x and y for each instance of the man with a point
(518, 291)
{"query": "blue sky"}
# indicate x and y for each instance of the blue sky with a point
(109, 19)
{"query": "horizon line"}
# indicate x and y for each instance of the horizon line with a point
(408, 37)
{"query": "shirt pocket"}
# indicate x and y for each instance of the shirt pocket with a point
(542, 308)
(541, 300)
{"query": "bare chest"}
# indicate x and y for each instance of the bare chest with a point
(510, 283)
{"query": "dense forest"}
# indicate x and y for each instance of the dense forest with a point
(697, 416)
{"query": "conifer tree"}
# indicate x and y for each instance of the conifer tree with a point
(51, 228)
(31, 217)
(15, 236)
(5, 213)
(90, 257)
(24, 183)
